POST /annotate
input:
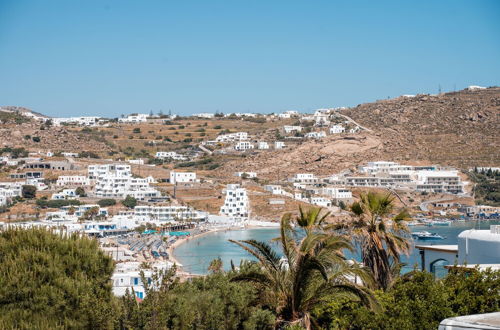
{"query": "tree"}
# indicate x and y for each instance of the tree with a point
(216, 265)
(136, 130)
(129, 202)
(313, 267)
(90, 213)
(80, 192)
(28, 191)
(50, 281)
(381, 243)
(106, 202)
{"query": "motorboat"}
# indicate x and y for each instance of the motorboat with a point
(441, 223)
(425, 235)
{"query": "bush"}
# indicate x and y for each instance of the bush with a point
(88, 154)
(106, 202)
(129, 202)
(80, 192)
(49, 281)
(136, 130)
(28, 191)
(36, 139)
(56, 204)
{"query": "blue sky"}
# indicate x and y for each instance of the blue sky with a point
(68, 57)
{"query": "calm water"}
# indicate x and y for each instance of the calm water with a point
(196, 254)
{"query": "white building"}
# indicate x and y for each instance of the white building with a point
(279, 145)
(248, 175)
(65, 194)
(82, 121)
(316, 135)
(116, 180)
(127, 277)
(337, 129)
(475, 248)
(288, 114)
(305, 178)
(274, 189)
(70, 154)
(79, 210)
(320, 201)
(338, 193)
(263, 145)
(170, 213)
(135, 118)
(72, 180)
(291, 129)
(232, 137)
(9, 190)
(243, 145)
(204, 115)
(182, 177)
(439, 182)
(170, 155)
(236, 203)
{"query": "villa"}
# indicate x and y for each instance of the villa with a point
(279, 145)
(263, 145)
(236, 203)
(72, 180)
(182, 177)
(134, 118)
(170, 155)
(337, 129)
(243, 145)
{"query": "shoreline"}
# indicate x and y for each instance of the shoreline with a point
(179, 242)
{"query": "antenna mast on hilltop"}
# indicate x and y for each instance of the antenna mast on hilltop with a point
(439, 89)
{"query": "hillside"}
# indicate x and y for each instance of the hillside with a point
(458, 129)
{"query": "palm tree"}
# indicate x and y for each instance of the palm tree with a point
(382, 238)
(313, 268)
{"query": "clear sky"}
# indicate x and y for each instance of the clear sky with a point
(98, 57)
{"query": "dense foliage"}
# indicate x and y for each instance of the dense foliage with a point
(106, 202)
(129, 202)
(50, 281)
(487, 188)
(56, 203)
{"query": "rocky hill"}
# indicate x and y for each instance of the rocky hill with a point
(459, 129)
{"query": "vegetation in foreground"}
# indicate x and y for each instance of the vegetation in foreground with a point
(53, 281)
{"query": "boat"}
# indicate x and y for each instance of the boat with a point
(425, 235)
(441, 223)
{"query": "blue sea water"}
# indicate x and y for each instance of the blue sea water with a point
(196, 254)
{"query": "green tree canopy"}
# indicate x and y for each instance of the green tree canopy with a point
(51, 281)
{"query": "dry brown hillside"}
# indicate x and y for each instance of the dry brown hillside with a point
(459, 129)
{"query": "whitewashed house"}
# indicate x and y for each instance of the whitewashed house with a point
(316, 135)
(236, 203)
(9, 190)
(248, 175)
(243, 145)
(169, 213)
(135, 118)
(232, 137)
(320, 201)
(204, 115)
(72, 180)
(116, 180)
(182, 177)
(290, 129)
(263, 145)
(274, 189)
(127, 277)
(337, 193)
(170, 155)
(337, 129)
(82, 121)
(305, 178)
(288, 114)
(65, 194)
(279, 145)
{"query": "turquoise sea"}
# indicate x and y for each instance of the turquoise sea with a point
(196, 254)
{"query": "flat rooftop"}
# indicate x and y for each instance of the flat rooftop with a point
(437, 247)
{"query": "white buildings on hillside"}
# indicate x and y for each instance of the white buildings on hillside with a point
(291, 129)
(263, 145)
(232, 137)
(170, 155)
(10, 190)
(170, 213)
(279, 145)
(72, 180)
(134, 118)
(288, 114)
(243, 145)
(305, 178)
(116, 180)
(337, 129)
(248, 175)
(320, 201)
(65, 194)
(206, 115)
(338, 193)
(83, 121)
(316, 135)
(182, 177)
(236, 203)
